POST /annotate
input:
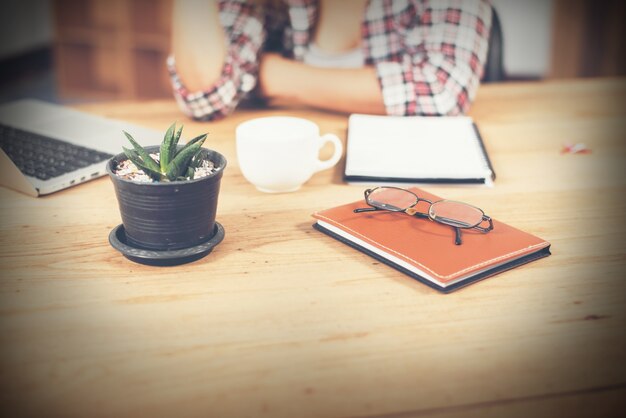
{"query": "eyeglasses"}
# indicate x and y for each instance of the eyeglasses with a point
(458, 215)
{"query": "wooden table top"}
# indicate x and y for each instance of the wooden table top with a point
(281, 320)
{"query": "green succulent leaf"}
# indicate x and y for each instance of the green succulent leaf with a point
(178, 166)
(166, 147)
(174, 163)
(175, 143)
(197, 140)
(146, 159)
(135, 159)
(196, 161)
(131, 154)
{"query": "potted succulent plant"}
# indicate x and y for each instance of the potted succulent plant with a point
(167, 197)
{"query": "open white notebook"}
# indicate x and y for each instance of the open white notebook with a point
(415, 149)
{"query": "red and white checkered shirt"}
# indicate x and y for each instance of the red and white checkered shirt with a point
(429, 55)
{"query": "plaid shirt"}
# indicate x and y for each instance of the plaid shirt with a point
(429, 55)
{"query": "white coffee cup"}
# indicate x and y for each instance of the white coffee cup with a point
(280, 153)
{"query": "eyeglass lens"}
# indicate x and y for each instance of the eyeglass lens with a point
(449, 212)
(455, 213)
(390, 198)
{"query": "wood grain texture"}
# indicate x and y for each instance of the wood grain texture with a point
(112, 49)
(588, 38)
(283, 321)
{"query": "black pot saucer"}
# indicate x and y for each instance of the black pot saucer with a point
(117, 239)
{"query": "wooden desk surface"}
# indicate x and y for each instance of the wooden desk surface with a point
(281, 320)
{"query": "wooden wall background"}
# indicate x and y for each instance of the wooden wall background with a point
(588, 38)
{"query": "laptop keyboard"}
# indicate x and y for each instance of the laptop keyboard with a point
(44, 157)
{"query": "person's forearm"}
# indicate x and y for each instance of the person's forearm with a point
(198, 42)
(343, 90)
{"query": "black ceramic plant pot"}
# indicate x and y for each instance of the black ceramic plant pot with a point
(168, 215)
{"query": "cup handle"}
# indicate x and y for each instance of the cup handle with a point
(323, 165)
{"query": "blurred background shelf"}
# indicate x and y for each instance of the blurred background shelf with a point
(108, 49)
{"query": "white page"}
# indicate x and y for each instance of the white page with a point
(414, 147)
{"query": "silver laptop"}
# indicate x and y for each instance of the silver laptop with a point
(46, 147)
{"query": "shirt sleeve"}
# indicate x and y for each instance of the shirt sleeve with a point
(439, 70)
(243, 26)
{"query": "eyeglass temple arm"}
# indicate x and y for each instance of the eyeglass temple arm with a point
(457, 236)
(370, 209)
(366, 193)
(488, 228)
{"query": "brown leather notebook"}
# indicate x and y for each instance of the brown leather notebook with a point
(425, 250)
